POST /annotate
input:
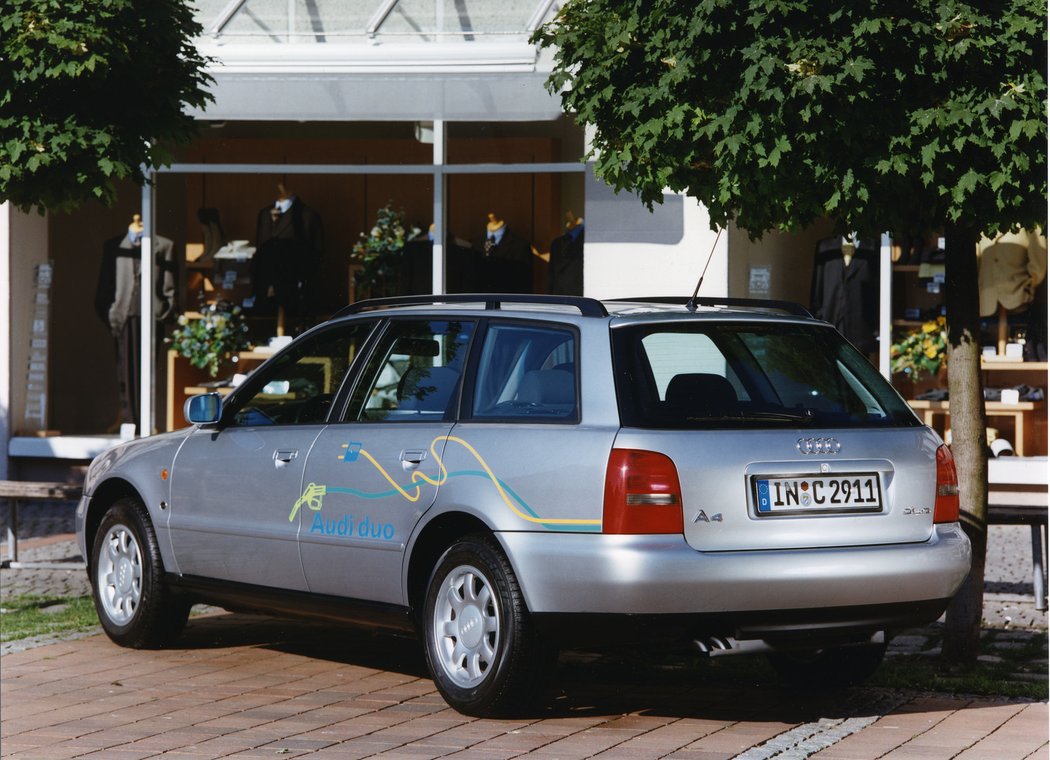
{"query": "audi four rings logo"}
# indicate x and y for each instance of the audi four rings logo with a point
(819, 445)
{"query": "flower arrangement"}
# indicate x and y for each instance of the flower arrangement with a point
(379, 252)
(921, 351)
(219, 332)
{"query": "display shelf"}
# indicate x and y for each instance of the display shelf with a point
(1023, 414)
(1012, 366)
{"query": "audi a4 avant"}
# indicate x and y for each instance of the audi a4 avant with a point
(504, 475)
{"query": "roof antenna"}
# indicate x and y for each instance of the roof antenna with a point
(691, 303)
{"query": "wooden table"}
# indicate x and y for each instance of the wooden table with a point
(1022, 413)
(17, 491)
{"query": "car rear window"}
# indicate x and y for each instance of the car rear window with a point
(704, 375)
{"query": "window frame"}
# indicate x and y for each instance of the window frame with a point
(377, 341)
(469, 383)
(262, 375)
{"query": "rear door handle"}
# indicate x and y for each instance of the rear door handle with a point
(283, 457)
(412, 458)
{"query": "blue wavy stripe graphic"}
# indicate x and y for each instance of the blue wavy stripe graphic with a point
(473, 474)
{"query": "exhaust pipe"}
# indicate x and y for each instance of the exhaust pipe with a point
(719, 646)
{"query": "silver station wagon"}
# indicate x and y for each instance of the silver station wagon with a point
(508, 474)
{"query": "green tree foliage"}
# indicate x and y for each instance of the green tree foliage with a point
(908, 116)
(899, 116)
(91, 91)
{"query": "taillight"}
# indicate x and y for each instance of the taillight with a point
(642, 494)
(946, 503)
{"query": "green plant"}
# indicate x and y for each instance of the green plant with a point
(217, 334)
(379, 252)
(921, 352)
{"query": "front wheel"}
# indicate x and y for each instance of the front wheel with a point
(135, 608)
(477, 634)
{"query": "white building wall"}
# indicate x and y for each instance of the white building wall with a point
(23, 245)
(624, 269)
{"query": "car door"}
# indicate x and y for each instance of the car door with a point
(371, 476)
(236, 486)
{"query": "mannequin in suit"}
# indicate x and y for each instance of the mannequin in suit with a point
(505, 264)
(117, 303)
(289, 241)
(566, 267)
(845, 288)
(1012, 264)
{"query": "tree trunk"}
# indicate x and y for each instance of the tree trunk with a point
(969, 446)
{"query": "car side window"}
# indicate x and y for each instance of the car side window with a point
(527, 373)
(413, 374)
(298, 387)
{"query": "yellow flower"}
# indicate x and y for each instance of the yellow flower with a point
(929, 327)
(931, 351)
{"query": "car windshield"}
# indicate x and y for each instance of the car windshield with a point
(702, 375)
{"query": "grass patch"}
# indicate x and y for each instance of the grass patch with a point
(1010, 668)
(25, 615)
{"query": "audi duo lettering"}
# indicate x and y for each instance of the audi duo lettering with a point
(852, 492)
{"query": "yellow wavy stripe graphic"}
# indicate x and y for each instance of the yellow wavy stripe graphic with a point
(315, 491)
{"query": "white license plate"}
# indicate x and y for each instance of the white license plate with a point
(855, 492)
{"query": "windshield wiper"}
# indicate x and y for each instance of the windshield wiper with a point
(805, 417)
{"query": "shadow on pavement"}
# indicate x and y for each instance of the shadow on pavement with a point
(584, 685)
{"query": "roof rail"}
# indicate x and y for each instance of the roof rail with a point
(589, 307)
(789, 307)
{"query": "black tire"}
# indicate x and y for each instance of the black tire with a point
(830, 668)
(135, 608)
(478, 638)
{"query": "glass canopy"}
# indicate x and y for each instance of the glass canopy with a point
(363, 21)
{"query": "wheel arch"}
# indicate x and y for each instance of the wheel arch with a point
(431, 542)
(104, 497)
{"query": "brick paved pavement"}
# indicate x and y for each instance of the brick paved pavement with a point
(248, 687)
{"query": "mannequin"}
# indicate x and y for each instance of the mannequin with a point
(289, 243)
(845, 288)
(1012, 264)
(117, 303)
(505, 264)
(566, 266)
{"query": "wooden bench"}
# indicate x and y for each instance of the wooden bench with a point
(1020, 498)
(17, 491)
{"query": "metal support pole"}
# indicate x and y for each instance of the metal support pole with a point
(885, 304)
(146, 359)
(1038, 568)
(437, 279)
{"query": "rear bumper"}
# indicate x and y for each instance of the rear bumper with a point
(663, 575)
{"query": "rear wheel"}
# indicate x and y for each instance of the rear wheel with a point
(478, 638)
(134, 607)
(828, 668)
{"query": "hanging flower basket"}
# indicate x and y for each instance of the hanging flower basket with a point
(216, 336)
(921, 352)
(380, 253)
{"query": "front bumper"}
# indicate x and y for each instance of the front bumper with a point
(663, 575)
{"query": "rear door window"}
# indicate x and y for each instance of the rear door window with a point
(743, 375)
(527, 373)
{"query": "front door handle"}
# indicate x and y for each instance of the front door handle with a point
(284, 457)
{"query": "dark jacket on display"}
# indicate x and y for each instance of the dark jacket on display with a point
(288, 251)
(847, 296)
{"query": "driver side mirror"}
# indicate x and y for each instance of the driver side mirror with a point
(204, 409)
